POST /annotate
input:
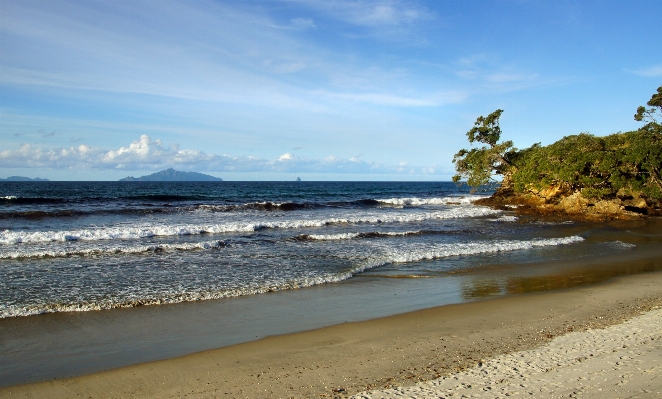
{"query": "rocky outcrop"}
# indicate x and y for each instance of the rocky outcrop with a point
(561, 201)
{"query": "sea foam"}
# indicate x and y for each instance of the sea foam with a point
(8, 237)
(28, 252)
(349, 236)
(420, 253)
(414, 201)
(410, 253)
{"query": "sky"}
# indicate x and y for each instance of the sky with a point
(322, 90)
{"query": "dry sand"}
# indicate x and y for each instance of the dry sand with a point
(402, 350)
(620, 361)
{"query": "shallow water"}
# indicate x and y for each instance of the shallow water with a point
(72, 246)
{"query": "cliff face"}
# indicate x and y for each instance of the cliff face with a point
(558, 200)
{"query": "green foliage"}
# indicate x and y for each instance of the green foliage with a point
(649, 114)
(599, 167)
(622, 164)
(486, 130)
(477, 165)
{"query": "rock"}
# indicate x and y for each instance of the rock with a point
(574, 203)
(559, 200)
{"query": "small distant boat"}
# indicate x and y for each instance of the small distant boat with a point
(298, 179)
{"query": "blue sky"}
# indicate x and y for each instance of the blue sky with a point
(325, 90)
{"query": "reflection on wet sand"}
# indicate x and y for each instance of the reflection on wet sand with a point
(593, 275)
(481, 287)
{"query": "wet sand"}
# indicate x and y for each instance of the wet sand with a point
(350, 358)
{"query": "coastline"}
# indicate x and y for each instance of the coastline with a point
(557, 202)
(354, 357)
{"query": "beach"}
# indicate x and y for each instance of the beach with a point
(624, 360)
(348, 199)
(395, 351)
(278, 290)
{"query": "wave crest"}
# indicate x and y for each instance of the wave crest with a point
(408, 254)
(127, 233)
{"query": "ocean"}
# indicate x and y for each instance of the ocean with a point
(76, 246)
(85, 247)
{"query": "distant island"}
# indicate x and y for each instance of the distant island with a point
(23, 178)
(613, 177)
(173, 175)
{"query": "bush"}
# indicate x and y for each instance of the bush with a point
(598, 167)
(622, 164)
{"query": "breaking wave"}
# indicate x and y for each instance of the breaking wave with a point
(349, 236)
(412, 253)
(418, 253)
(23, 252)
(73, 207)
(8, 237)
(456, 200)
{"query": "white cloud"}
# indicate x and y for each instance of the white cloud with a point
(286, 157)
(385, 99)
(505, 77)
(490, 69)
(148, 154)
(485, 73)
(371, 13)
(651, 72)
(287, 67)
(296, 24)
(395, 100)
(302, 23)
(229, 52)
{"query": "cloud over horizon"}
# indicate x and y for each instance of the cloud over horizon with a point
(148, 154)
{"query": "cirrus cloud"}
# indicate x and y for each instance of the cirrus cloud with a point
(650, 72)
(371, 12)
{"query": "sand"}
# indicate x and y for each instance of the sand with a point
(456, 341)
(620, 361)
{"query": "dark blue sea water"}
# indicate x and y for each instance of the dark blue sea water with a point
(76, 246)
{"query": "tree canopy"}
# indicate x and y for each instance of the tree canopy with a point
(621, 164)
(478, 165)
(655, 110)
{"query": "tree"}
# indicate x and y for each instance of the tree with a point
(478, 165)
(651, 147)
(622, 165)
(618, 165)
(649, 114)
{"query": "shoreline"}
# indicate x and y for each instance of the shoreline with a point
(353, 357)
(556, 203)
(71, 344)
